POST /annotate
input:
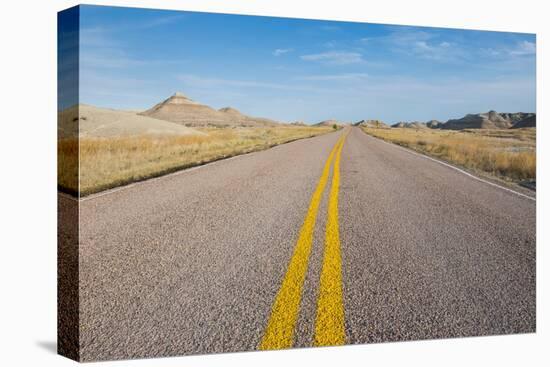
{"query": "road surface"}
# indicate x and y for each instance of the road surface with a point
(273, 250)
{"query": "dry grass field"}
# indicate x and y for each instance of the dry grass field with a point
(107, 162)
(508, 154)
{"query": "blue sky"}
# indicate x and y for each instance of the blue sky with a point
(294, 69)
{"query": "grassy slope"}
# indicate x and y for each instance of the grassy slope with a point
(507, 154)
(109, 162)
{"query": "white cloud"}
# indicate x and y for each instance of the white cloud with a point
(281, 51)
(437, 51)
(95, 37)
(490, 52)
(524, 48)
(421, 44)
(406, 36)
(159, 21)
(102, 36)
(335, 57)
(99, 49)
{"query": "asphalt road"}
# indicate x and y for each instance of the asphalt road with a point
(256, 252)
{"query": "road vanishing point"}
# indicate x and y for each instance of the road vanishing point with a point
(336, 239)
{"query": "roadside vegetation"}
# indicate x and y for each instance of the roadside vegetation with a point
(109, 162)
(508, 154)
(67, 165)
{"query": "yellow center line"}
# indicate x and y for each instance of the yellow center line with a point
(329, 324)
(279, 333)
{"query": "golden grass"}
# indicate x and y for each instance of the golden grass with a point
(67, 165)
(508, 154)
(111, 162)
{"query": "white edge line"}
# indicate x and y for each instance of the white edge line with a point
(455, 168)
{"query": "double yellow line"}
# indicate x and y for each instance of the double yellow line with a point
(329, 323)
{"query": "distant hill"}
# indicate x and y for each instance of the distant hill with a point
(328, 123)
(91, 121)
(488, 120)
(434, 124)
(529, 121)
(410, 125)
(516, 117)
(372, 124)
(184, 111)
(230, 111)
(298, 123)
